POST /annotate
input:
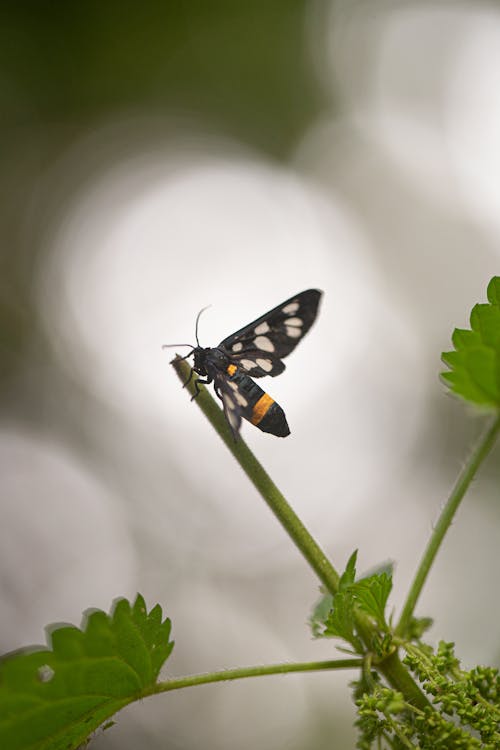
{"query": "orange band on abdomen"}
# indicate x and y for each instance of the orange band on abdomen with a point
(231, 369)
(261, 408)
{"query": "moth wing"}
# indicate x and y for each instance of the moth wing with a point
(257, 363)
(259, 347)
(232, 409)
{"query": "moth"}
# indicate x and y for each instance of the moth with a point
(254, 351)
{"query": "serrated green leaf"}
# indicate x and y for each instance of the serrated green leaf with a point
(463, 338)
(323, 609)
(371, 594)
(485, 320)
(475, 364)
(349, 574)
(334, 616)
(53, 699)
(340, 621)
(494, 290)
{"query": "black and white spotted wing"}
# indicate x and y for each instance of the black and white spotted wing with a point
(255, 350)
(259, 347)
(233, 408)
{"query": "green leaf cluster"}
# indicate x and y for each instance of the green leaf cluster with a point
(54, 698)
(475, 363)
(335, 616)
(469, 703)
(470, 698)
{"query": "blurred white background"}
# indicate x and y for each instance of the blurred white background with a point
(113, 483)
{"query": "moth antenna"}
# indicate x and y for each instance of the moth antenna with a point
(169, 346)
(197, 319)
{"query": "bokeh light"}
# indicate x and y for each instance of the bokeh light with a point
(154, 165)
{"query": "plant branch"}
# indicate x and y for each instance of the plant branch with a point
(391, 667)
(483, 447)
(398, 677)
(263, 482)
(259, 671)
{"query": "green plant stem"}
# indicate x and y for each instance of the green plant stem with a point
(399, 734)
(263, 482)
(400, 679)
(397, 676)
(483, 447)
(260, 671)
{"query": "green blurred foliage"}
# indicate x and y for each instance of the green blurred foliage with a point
(237, 69)
(242, 63)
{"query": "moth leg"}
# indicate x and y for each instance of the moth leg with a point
(189, 377)
(196, 385)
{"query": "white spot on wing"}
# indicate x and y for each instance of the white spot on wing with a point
(229, 402)
(233, 419)
(248, 364)
(262, 342)
(263, 328)
(240, 399)
(294, 322)
(237, 347)
(265, 364)
(291, 308)
(294, 333)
